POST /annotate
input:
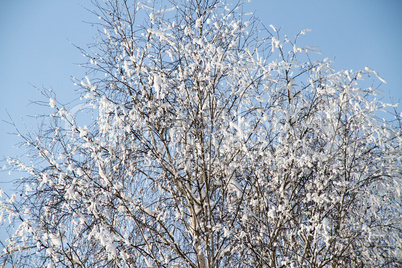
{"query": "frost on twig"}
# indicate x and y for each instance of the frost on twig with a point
(215, 144)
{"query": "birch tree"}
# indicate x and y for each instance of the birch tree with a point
(217, 142)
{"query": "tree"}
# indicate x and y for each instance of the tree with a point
(217, 143)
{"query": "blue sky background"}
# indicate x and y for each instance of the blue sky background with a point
(35, 48)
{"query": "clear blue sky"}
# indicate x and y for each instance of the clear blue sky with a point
(35, 45)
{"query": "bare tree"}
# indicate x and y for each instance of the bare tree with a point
(217, 143)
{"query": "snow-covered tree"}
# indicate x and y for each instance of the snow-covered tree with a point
(216, 143)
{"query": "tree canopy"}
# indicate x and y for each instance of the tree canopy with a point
(217, 142)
